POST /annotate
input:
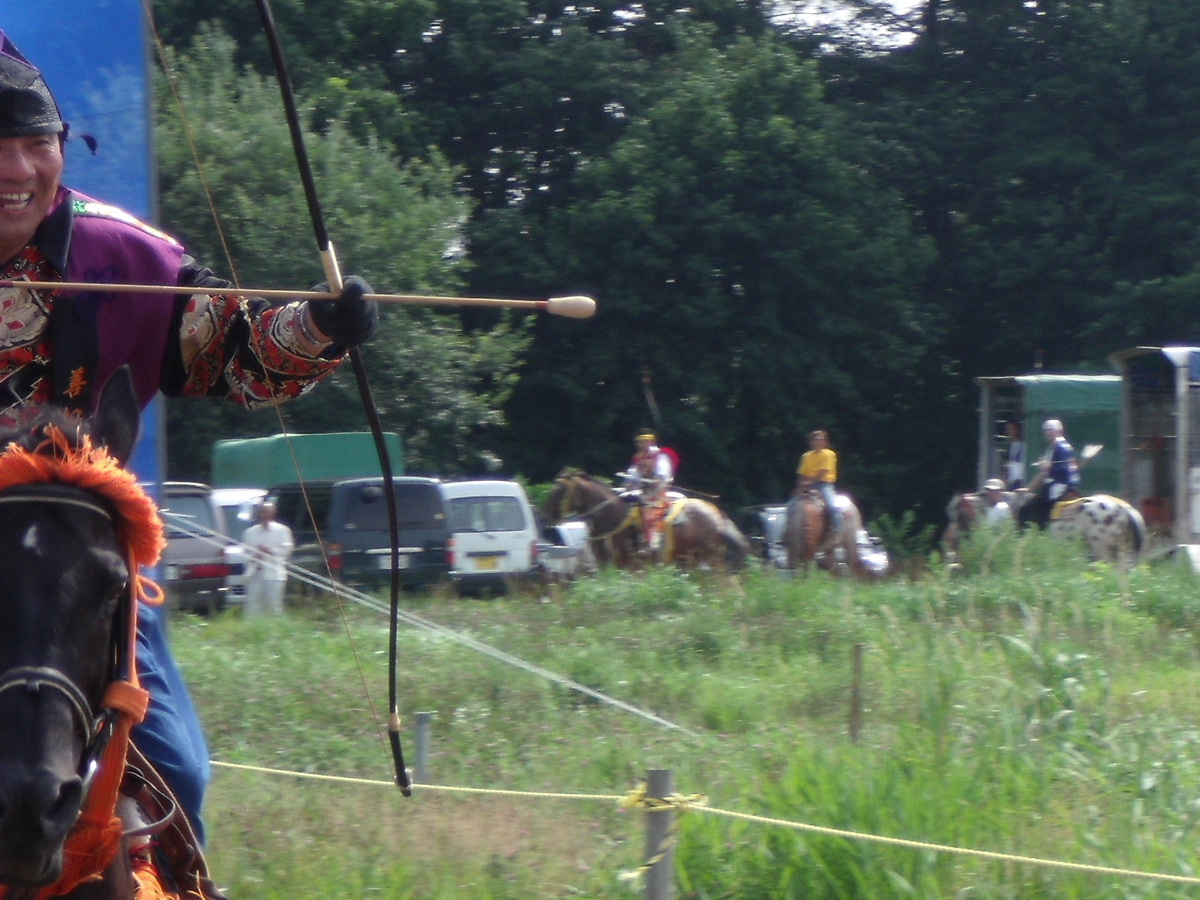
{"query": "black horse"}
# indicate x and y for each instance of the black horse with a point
(74, 529)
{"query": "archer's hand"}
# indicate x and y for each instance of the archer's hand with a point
(349, 320)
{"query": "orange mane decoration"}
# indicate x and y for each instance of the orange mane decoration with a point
(58, 461)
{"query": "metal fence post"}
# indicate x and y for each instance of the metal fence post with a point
(660, 878)
(856, 693)
(421, 763)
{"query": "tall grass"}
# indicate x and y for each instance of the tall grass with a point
(1028, 703)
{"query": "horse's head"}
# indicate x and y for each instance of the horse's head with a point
(570, 495)
(963, 510)
(72, 523)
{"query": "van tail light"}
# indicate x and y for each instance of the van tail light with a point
(205, 570)
(451, 554)
(333, 557)
(533, 552)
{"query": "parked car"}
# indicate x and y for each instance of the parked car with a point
(565, 551)
(764, 527)
(873, 554)
(341, 530)
(200, 559)
(494, 542)
(238, 506)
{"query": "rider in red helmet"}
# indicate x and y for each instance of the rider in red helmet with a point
(651, 471)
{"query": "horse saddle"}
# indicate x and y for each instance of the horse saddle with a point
(826, 535)
(179, 868)
(1065, 506)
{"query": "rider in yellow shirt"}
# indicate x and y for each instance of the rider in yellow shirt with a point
(818, 469)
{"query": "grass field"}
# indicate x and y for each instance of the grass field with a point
(1029, 704)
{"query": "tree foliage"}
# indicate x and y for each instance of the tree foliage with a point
(401, 224)
(740, 258)
(789, 222)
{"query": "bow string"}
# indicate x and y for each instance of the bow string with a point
(333, 277)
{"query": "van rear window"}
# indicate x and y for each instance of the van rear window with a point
(486, 514)
(188, 514)
(293, 508)
(417, 506)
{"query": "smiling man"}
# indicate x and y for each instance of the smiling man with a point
(60, 348)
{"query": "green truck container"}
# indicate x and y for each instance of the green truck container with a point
(1088, 405)
(264, 462)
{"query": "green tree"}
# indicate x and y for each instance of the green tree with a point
(761, 276)
(401, 225)
(1050, 150)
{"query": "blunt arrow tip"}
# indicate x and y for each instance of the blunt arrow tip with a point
(571, 307)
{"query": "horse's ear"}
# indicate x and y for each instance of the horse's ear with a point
(117, 420)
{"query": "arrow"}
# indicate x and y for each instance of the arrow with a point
(574, 307)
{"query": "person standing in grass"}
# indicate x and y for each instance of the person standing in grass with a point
(269, 544)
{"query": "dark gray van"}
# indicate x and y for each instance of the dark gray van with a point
(347, 534)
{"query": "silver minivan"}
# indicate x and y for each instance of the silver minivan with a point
(494, 535)
(200, 558)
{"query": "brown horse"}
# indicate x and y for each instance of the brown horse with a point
(962, 512)
(808, 539)
(695, 533)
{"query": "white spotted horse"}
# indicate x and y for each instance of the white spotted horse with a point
(78, 803)
(1112, 528)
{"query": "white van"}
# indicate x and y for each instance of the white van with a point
(494, 535)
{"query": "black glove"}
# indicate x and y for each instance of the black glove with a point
(349, 320)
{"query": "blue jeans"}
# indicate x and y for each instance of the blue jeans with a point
(170, 735)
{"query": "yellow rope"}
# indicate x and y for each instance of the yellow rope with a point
(344, 779)
(637, 800)
(961, 851)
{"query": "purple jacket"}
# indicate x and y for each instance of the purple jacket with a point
(88, 240)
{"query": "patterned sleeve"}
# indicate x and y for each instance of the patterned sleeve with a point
(245, 348)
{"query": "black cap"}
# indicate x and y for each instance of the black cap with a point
(26, 105)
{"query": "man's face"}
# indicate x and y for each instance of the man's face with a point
(30, 171)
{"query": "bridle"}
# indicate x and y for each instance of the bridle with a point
(589, 514)
(97, 728)
(94, 837)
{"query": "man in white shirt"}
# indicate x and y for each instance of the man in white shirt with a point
(998, 512)
(268, 546)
